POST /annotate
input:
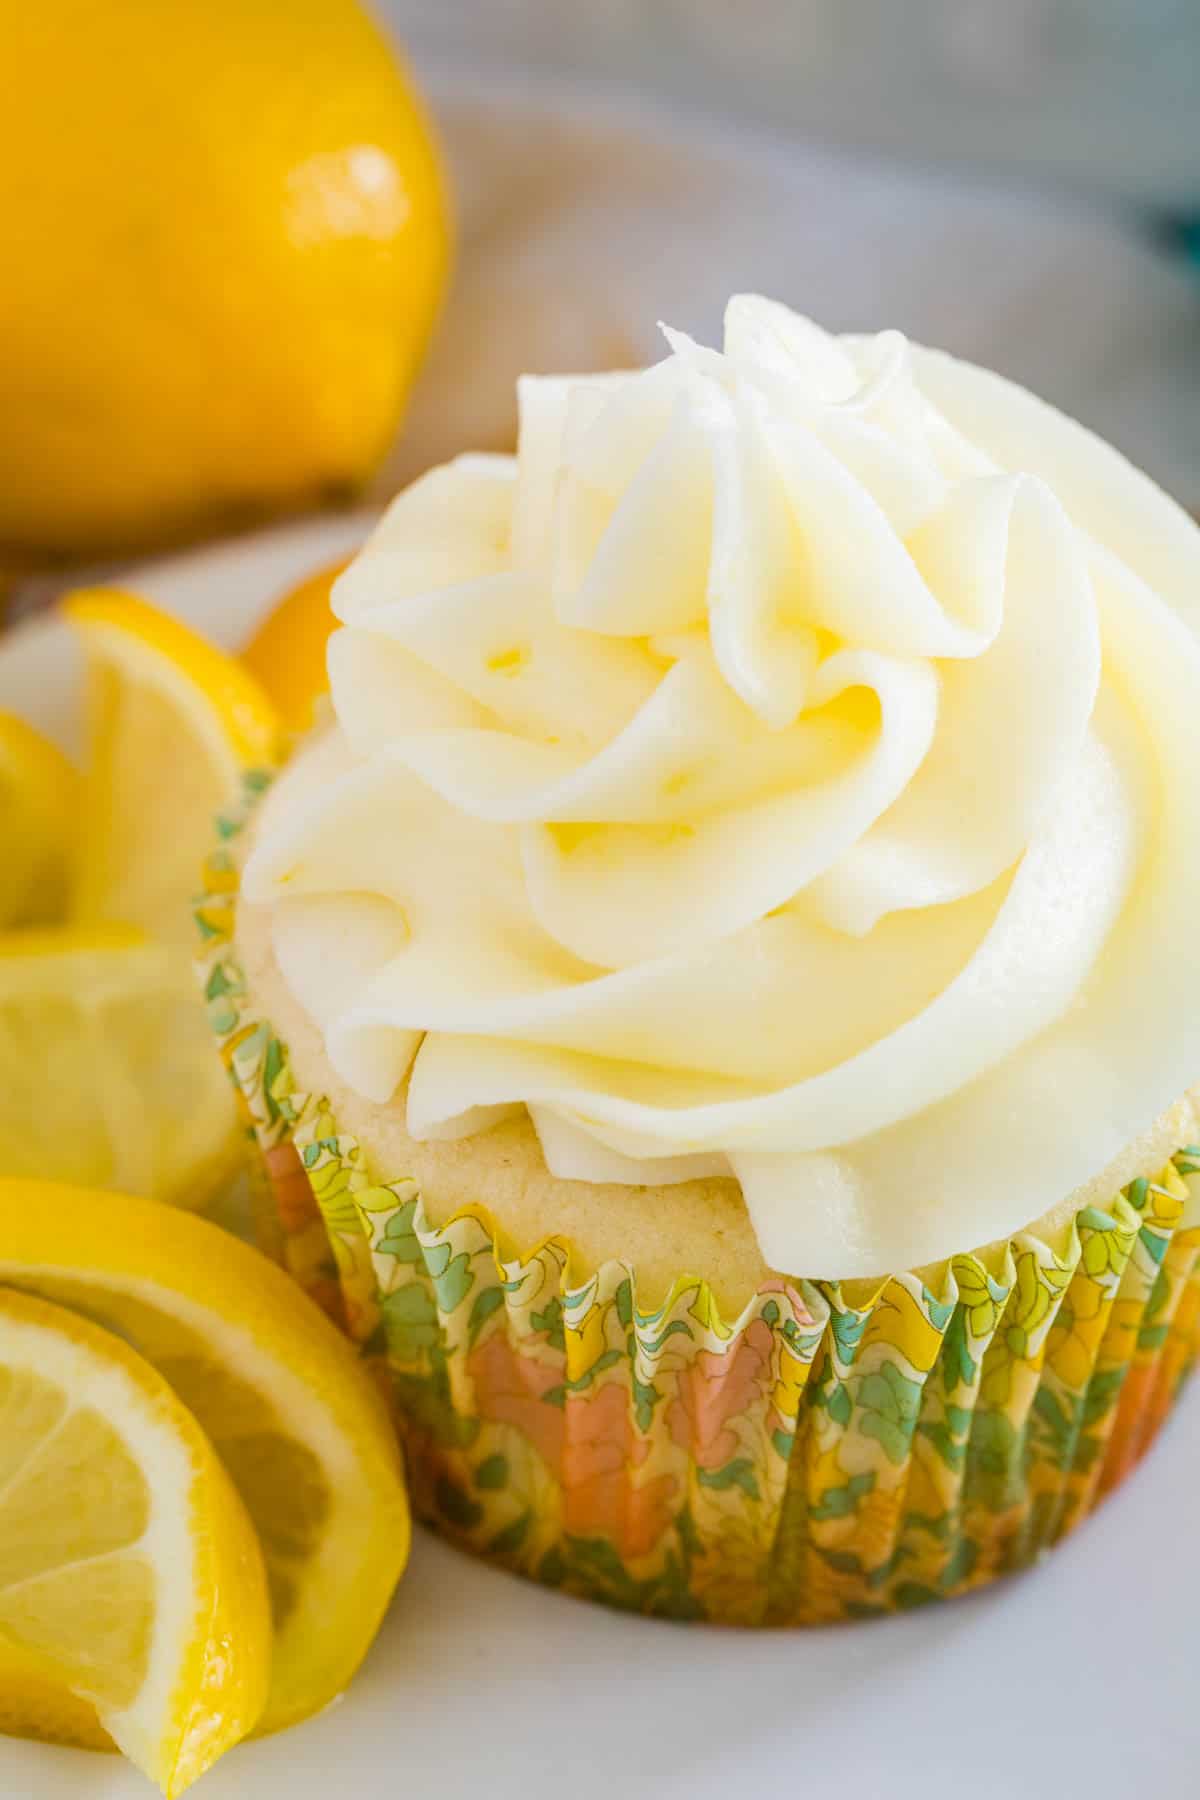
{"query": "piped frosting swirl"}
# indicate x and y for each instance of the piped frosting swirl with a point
(784, 767)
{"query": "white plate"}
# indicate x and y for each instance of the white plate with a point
(1076, 1679)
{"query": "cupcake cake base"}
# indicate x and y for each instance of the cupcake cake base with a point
(825, 1451)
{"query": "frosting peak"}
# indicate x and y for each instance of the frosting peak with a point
(771, 772)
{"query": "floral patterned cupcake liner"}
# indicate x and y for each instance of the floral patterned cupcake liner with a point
(838, 1450)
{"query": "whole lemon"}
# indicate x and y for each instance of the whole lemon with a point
(225, 236)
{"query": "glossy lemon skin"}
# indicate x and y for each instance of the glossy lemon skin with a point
(225, 236)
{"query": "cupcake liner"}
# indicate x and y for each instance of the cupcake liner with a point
(836, 1451)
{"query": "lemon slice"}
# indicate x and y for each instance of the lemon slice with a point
(39, 800)
(173, 725)
(296, 1420)
(128, 1565)
(107, 1073)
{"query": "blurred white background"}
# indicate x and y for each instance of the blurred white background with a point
(1101, 92)
(995, 176)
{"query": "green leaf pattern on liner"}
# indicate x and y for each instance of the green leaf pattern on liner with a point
(836, 1451)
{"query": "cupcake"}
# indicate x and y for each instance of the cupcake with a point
(717, 996)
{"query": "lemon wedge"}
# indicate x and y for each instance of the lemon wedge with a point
(286, 1403)
(35, 1704)
(39, 795)
(288, 649)
(128, 1565)
(109, 1074)
(173, 726)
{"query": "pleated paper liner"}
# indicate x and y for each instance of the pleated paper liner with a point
(836, 1451)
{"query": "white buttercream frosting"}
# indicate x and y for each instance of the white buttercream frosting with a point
(784, 767)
